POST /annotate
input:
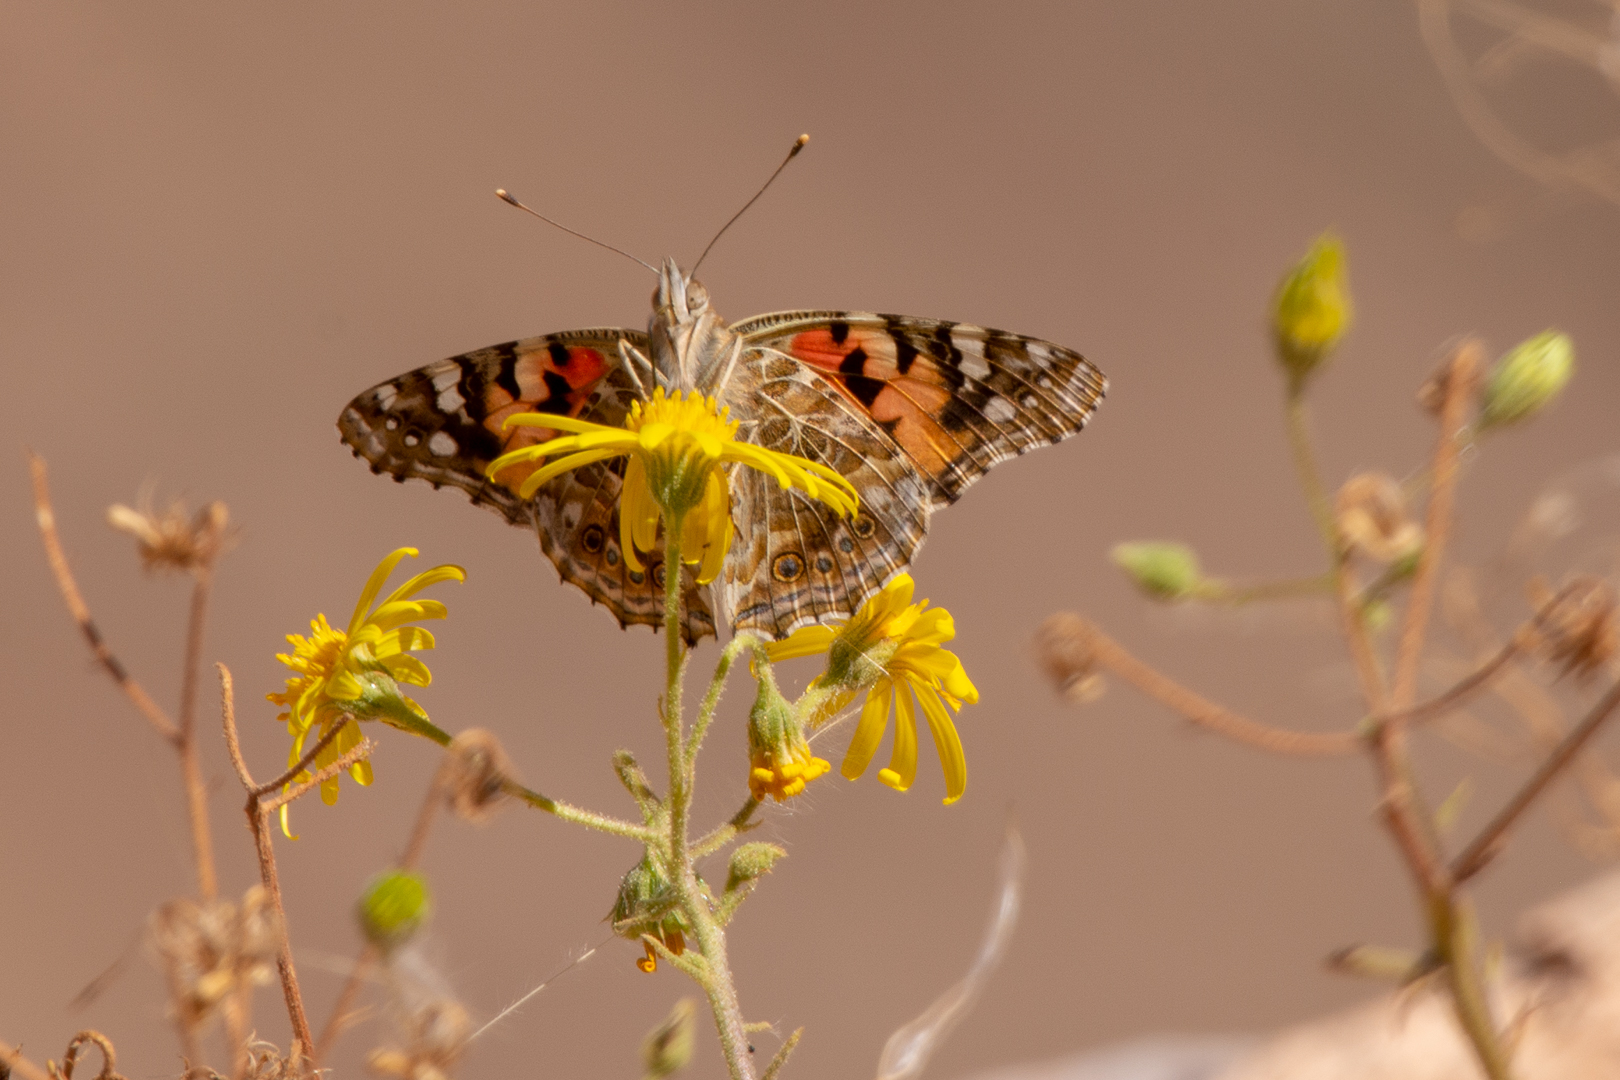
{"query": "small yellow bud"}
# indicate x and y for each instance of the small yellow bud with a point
(1312, 309)
(668, 1047)
(1527, 379)
(1162, 570)
(393, 907)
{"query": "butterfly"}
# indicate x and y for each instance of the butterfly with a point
(911, 411)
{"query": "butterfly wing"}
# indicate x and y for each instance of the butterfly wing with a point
(911, 411)
(794, 560)
(443, 423)
(955, 398)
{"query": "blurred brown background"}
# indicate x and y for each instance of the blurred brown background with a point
(220, 222)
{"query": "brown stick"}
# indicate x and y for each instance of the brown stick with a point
(46, 517)
(202, 844)
(1459, 381)
(20, 1066)
(1109, 654)
(259, 812)
(1478, 854)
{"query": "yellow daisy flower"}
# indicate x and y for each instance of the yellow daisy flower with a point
(341, 676)
(892, 649)
(675, 445)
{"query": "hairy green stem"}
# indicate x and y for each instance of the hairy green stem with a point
(711, 700)
(588, 818)
(714, 975)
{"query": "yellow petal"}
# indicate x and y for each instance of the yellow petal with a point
(414, 585)
(805, 641)
(869, 732)
(408, 669)
(903, 759)
(635, 502)
(951, 758)
(374, 584)
(540, 477)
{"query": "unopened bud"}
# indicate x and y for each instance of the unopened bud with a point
(668, 1047)
(1527, 379)
(1162, 570)
(752, 861)
(393, 907)
(1312, 309)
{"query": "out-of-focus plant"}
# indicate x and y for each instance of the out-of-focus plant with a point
(1380, 555)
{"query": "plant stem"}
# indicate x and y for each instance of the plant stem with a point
(202, 844)
(711, 939)
(1310, 476)
(588, 818)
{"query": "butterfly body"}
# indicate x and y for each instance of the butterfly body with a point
(910, 411)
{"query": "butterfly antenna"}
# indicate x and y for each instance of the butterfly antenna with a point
(506, 196)
(798, 144)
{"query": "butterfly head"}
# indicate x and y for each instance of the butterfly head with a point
(690, 342)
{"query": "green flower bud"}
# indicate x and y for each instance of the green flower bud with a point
(1312, 308)
(393, 907)
(647, 904)
(750, 862)
(668, 1047)
(1164, 571)
(1527, 379)
(780, 763)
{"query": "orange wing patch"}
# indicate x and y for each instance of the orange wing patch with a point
(878, 373)
(556, 379)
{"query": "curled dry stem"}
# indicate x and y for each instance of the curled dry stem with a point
(75, 1047)
(1072, 647)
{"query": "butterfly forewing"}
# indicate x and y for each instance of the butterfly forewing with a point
(955, 398)
(443, 423)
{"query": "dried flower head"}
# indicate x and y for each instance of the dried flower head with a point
(1580, 634)
(215, 950)
(476, 773)
(173, 539)
(264, 1062)
(1064, 648)
(1371, 515)
(436, 1035)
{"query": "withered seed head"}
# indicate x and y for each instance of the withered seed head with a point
(1064, 648)
(1371, 517)
(1581, 633)
(216, 949)
(474, 775)
(172, 540)
(437, 1034)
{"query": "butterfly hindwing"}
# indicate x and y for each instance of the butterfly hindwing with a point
(443, 423)
(954, 397)
(794, 560)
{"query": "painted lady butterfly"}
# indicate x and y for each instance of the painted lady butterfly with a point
(912, 411)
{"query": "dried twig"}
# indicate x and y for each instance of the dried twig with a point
(12, 1057)
(1072, 644)
(46, 517)
(1478, 854)
(259, 810)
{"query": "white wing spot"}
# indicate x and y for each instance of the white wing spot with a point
(450, 400)
(386, 396)
(974, 367)
(447, 378)
(392, 423)
(412, 440)
(441, 444)
(1029, 401)
(999, 410)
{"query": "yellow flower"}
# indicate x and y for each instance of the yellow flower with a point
(676, 446)
(342, 676)
(1312, 309)
(780, 764)
(892, 649)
